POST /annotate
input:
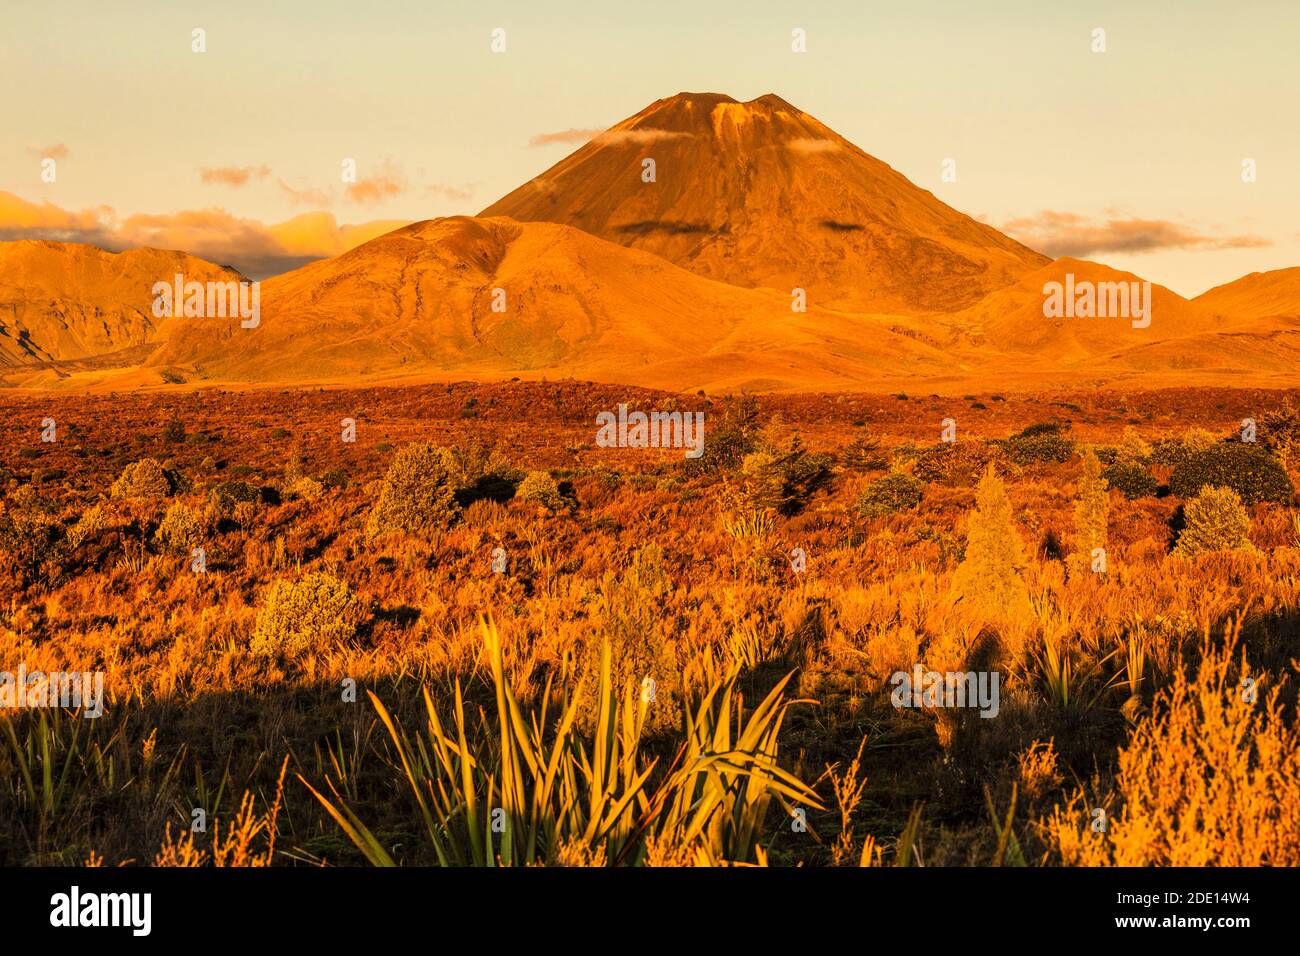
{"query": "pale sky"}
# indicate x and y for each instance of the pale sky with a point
(1137, 147)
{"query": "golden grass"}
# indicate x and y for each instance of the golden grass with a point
(766, 679)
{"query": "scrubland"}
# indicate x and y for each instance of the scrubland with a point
(473, 637)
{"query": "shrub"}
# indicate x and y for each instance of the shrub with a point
(244, 513)
(735, 437)
(142, 479)
(628, 612)
(318, 611)
(962, 461)
(1169, 453)
(1042, 442)
(864, 454)
(989, 574)
(1041, 428)
(29, 529)
(182, 527)
(88, 526)
(1198, 439)
(784, 480)
(304, 487)
(1132, 447)
(887, 495)
(1207, 780)
(1130, 478)
(1279, 431)
(334, 478)
(174, 431)
(416, 494)
(1215, 520)
(1091, 516)
(477, 473)
(540, 488)
(1247, 469)
(228, 494)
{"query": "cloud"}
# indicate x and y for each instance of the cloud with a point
(815, 145)
(20, 219)
(57, 151)
(638, 137)
(564, 136)
(443, 191)
(254, 248)
(233, 175)
(387, 182)
(609, 137)
(306, 197)
(1068, 234)
(375, 189)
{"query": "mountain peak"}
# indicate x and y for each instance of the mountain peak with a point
(761, 194)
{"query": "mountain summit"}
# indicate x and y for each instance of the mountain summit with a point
(763, 194)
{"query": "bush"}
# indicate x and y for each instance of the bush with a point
(784, 480)
(864, 454)
(1041, 428)
(416, 494)
(1130, 478)
(540, 488)
(1247, 469)
(334, 478)
(736, 436)
(228, 494)
(1042, 442)
(989, 573)
(88, 526)
(304, 487)
(628, 611)
(29, 529)
(244, 513)
(477, 473)
(1091, 516)
(1215, 520)
(895, 492)
(182, 528)
(963, 461)
(1169, 453)
(1279, 431)
(1197, 440)
(317, 611)
(142, 479)
(174, 431)
(1132, 447)
(1206, 780)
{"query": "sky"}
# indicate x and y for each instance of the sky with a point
(1132, 156)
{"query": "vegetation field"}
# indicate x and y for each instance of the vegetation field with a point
(439, 624)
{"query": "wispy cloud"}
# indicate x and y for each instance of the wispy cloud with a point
(375, 189)
(233, 175)
(1068, 234)
(57, 151)
(609, 137)
(385, 182)
(306, 197)
(639, 137)
(564, 136)
(443, 191)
